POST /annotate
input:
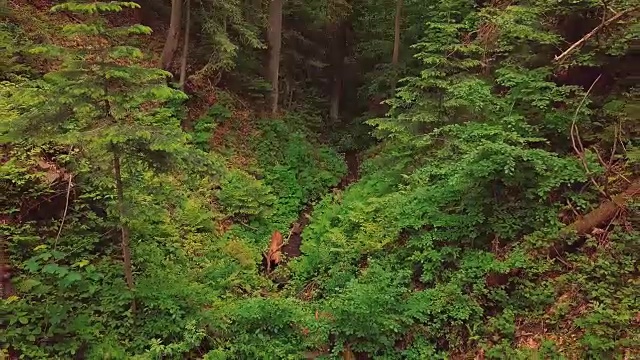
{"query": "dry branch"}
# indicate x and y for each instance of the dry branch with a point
(64, 215)
(584, 39)
(576, 140)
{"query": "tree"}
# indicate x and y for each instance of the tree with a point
(185, 49)
(337, 53)
(173, 35)
(396, 40)
(101, 101)
(477, 216)
(275, 45)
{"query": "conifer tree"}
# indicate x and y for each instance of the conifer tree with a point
(100, 100)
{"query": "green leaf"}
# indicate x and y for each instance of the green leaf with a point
(71, 277)
(81, 263)
(28, 284)
(50, 268)
(31, 265)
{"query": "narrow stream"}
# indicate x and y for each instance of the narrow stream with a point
(292, 248)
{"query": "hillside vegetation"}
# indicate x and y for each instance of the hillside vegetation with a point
(320, 179)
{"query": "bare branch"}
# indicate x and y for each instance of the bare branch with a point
(64, 216)
(584, 39)
(577, 141)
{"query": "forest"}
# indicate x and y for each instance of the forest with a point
(320, 179)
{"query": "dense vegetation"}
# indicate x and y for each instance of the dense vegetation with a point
(388, 179)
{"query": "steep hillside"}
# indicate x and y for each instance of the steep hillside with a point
(225, 179)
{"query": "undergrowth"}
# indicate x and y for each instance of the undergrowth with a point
(459, 239)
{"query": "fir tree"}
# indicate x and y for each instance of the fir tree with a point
(101, 100)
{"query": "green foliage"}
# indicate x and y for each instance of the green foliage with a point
(10, 47)
(366, 312)
(95, 7)
(293, 170)
(96, 89)
(97, 103)
(204, 126)
(226, 30)
(441, 248)
(241, 194)
(300, 170)
(71, 288)
(262, 328)
(467, 164)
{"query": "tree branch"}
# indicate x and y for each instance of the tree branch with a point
(64, 215)
(584, 39)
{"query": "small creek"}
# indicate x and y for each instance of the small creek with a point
(292, 248)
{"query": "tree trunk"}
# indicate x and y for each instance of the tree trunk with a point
(336, 92)
(600, 216)
(6, 288)
(337, 63)
(124, 229)
(275, 45)
(185, 49)
(396, 42)
(171, 43)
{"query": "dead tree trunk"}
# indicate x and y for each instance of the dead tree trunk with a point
(599, 217)
(275, 45)
(173, 35)
(595, 219)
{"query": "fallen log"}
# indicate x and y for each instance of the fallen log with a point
(597, 218)
(604, 213)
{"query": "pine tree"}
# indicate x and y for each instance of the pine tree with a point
(99, 99)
